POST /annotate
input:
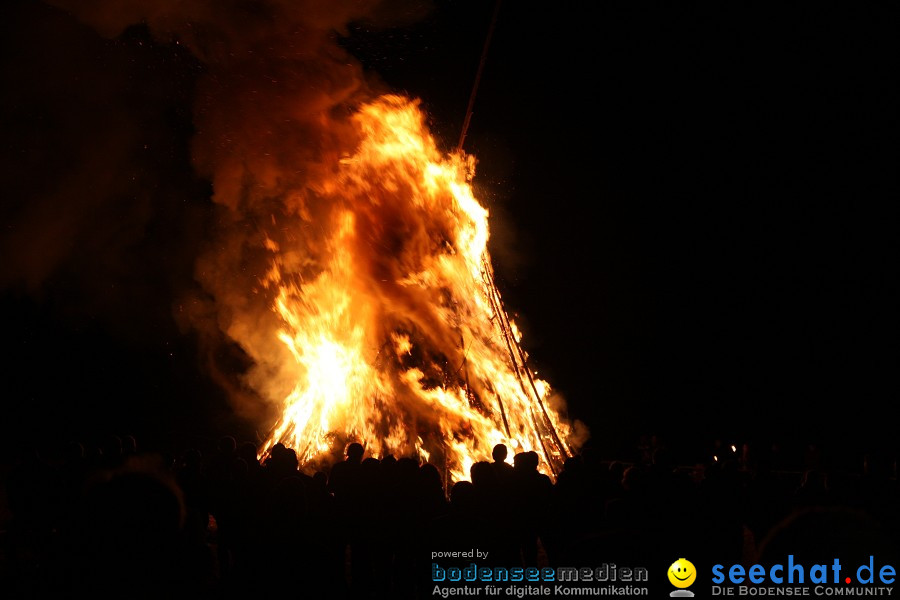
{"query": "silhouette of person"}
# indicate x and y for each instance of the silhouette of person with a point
(346, 482)
(532, 490)
(502, 469)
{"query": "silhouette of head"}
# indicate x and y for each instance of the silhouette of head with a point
(637, 478)
(462, 496)
(291, 462)
(481, 473)
(247, 451)
(573, 463)
(429, 478)
(499, 453)
(129, 445)
(111, 446)
(526, 461)
(355, 452)
(227, 444)
(519, 461)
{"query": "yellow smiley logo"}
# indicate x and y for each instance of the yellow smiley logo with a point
(682, 573)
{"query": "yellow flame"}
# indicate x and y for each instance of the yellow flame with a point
(399, 338)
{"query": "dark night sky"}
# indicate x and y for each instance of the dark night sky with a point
(693, 209)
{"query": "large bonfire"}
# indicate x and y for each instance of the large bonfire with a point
(397, 334)
(347, 264)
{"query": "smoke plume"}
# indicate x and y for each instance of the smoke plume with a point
(252, 97)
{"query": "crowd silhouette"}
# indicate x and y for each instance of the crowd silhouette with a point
(113, 520)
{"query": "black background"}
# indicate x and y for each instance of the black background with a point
(693, 217)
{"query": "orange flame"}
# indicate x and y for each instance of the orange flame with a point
(397, 333)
